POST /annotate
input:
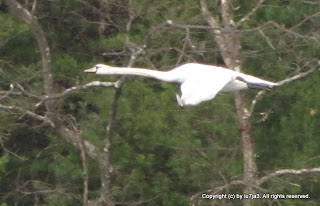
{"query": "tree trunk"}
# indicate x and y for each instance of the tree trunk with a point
(73, 135)
(229, 45)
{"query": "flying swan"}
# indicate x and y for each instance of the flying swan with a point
(198, 82)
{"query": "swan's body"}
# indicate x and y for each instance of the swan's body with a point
(198, 82)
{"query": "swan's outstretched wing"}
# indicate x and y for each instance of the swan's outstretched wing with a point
(196, 90)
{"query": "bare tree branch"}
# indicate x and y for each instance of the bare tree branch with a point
(219, 31)
(85, 170)
(296, 77)
(187, 26)
(214, 24)
(282, 82)
(227, 15)
(33, 187)
(11, 93)
(34, 6)
(305, 20)
(259, 182)
(28, 113)
(219, 37)
(289, 31)
(25, 93)
(269, 42)
(229, 45)
(74, 89)
(287, 171)
(187, 40)
(6, 151)
(39, 34)
(252, 12)
(70, 135)
(54, 96)
(106, 168)
(135, 52)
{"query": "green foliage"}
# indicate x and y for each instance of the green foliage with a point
(3, 165)
(295, 128)
(162, 154)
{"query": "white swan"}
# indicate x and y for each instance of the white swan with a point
(198, 82)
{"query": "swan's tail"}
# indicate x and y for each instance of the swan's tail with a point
(256, 83)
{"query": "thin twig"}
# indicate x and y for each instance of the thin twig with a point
(25, 93)
(7, 151)
(185, 26)
(305, 19)
(252, 12)
(186, 40)
(218, 30)
(73, 89)
(269, 42)
(27, 112)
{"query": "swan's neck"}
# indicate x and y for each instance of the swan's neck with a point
(167, 76)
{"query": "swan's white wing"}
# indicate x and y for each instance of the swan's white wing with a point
(196, 90)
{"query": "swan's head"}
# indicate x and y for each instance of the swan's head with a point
(97, 68)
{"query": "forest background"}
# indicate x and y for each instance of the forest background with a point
(69, 138)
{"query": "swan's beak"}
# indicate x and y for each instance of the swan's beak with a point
(91, 70)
